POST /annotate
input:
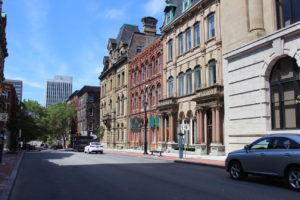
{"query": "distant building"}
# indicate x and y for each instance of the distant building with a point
(18, 85)
(88, 111)
(8, 101)
(58, 89)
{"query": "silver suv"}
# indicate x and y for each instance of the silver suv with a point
(274, 154)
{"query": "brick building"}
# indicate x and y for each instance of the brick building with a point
(114, 79)
(88, 110)
(9, 101)
(145, 85)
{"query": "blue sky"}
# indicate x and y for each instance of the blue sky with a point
(66, 37)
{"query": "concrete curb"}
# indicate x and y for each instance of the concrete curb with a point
(172, 160)
(11, 180)
(197, 163)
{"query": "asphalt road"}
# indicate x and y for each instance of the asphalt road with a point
(71, 175)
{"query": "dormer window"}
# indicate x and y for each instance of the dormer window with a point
(185, 5)
(169, 16)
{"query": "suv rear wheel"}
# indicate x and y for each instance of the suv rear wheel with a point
(236, 170)
(293, 177)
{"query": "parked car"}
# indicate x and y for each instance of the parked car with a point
(273, 155)
(56, 146)
(93, 147)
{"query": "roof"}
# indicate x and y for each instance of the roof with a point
(88, 89)
(126, 32)
(177, 5)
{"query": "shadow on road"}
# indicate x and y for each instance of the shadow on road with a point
(109, 176)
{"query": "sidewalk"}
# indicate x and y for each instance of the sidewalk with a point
(8, 170)
(215, 161)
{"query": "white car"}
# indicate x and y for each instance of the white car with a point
(93, 147)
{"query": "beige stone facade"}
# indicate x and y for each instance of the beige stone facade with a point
(193, 92)
(261, 54)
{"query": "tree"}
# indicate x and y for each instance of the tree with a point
(59, 118)
(99, 131)
(27, 119)
(298, 99)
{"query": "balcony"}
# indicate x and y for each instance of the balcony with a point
(169, 103)
(209, 93)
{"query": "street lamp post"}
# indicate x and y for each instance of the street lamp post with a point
(146, 122)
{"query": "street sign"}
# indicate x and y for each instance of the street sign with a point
(3, 117)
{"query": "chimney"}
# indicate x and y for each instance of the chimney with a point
(149, 25)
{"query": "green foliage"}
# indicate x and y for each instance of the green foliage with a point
(99, 131)
(59, 117)
(298, 99)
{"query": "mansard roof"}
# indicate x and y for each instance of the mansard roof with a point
(177, 6)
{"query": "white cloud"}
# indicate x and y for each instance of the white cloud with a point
(114, 13)
(154, 7)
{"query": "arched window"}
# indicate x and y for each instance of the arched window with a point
(110, 104)
(171, 86)
(142, 100)
(132, 102)
(143, 73)
(147, 70)
(188, 39)
(158, 93)
(212, 72)
(137, 101)
(153, 66)
(122, 105)
(181, 84)
(197, 77)
(118, 129)
(285, 85)
(136, 76)
(118, 106)
(211, 25)
(122, 132)
(153, 101)
(189, 86)
(158, 63)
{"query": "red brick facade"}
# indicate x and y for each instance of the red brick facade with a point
(145, 79)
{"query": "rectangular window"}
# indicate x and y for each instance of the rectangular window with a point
(288, 12)
(197, 34)
(180, 44)
(211, 26)
(185, 5)
(189, 82)
(188, 39)
(170, 50)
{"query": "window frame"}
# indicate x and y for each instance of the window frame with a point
(211, 26)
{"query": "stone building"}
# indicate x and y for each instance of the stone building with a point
(3, 43)
(9, 101)
(3, 55)
(88, 110)
(114, 79)
(261, 68)
(193, 87)
(145, 86)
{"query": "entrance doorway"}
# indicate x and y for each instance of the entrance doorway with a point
(209, 130)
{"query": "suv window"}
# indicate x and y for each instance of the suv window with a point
(261, 144)
(284, 143)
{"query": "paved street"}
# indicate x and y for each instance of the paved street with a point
(71, 175)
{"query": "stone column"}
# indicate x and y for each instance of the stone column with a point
(213, 124)
(171, 127)
(218, 126)
(256, 17)
(191, 130)
(200, 138)
(161, 128)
